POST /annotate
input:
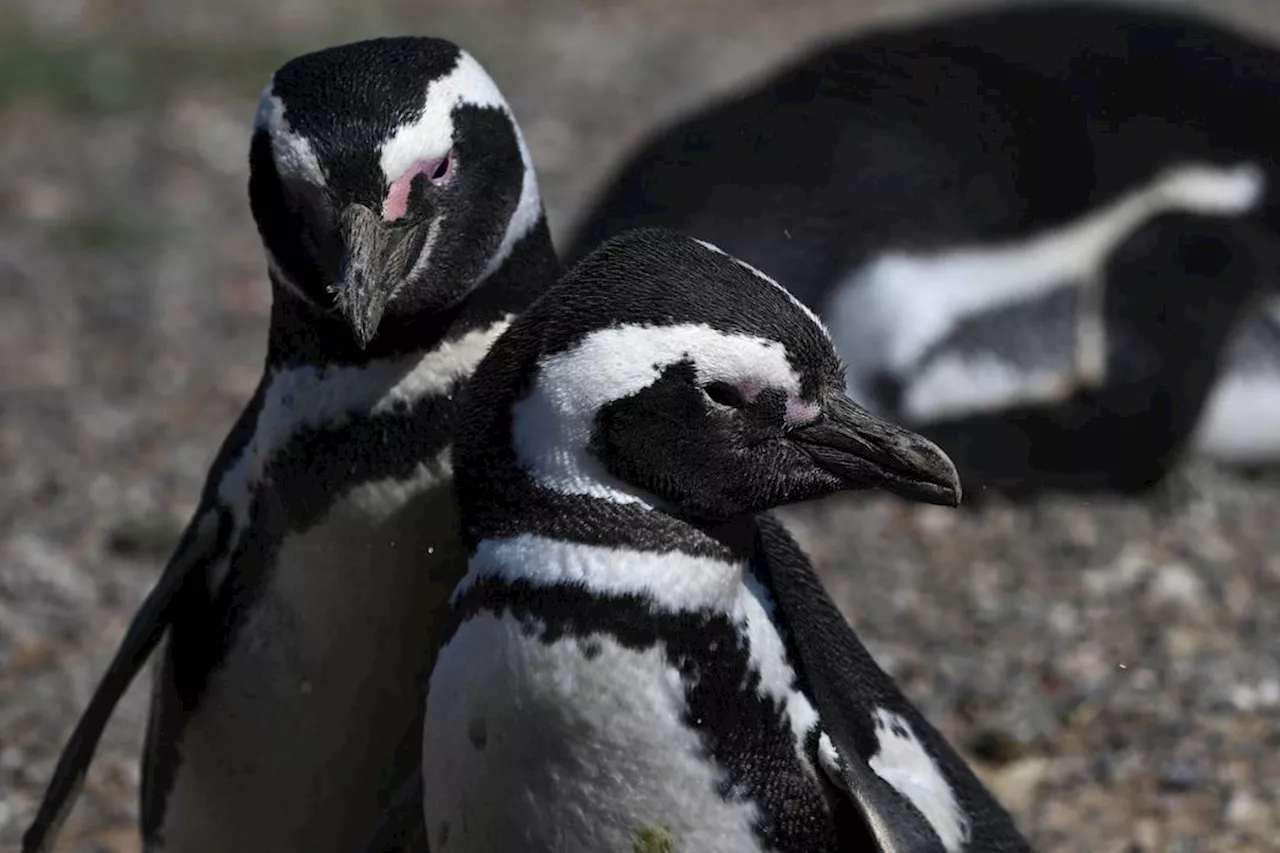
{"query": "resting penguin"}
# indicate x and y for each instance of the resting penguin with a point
(403, 229)
(1177, 290)
(642, 663)
(923, 176)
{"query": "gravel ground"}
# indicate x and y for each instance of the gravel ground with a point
(1109, 666)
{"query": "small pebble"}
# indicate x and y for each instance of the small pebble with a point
(1242, 809)
(1177, 583)
(1179, 778)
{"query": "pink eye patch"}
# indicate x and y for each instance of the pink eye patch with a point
(800, 412)
(396, 203)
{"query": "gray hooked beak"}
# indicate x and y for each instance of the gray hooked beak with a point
(869, 452)
(376, 259)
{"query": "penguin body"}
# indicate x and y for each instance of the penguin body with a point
(1242, 422)
(626, 673)
(1183, 320)
(922, 176)
(403, 229)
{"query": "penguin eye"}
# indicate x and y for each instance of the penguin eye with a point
(442, 169)
(724, 394)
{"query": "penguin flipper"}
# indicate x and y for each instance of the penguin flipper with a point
(198, 543)
(849, 691)
(1026, 353)
(401, 829)
(896, 826)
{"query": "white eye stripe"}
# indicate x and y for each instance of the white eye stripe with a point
(293, 153)
(552, 424)
(431, 135)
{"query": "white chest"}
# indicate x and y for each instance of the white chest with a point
(573, 746)
(299, 726)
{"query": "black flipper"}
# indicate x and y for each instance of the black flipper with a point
(847, 687)
(200, 545)
(402, 828)
(895, 824)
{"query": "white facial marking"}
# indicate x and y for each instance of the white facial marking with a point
(431, 136)
(898, 305)
(553, 423)
(293, 153)
(904, 763)
(307, 397)
(579, 754)
(527, 213)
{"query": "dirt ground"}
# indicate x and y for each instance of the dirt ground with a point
(1111, 667)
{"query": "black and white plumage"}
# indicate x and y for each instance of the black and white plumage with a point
(1178, 289)
(642, 663)
(403, 228)
(920, 178)
(1242, 421)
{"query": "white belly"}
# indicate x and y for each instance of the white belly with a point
(536, 747)
(1241, 423)
(296, 730)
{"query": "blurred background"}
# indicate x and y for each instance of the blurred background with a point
(1110, 666)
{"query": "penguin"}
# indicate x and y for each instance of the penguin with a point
(1191, 344)
(403, 229)
(924, 176)
(641, 660)
(1242, 423)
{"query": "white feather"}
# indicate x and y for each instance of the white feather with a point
(904, 763)
(431, 135)
(674, 581)
(307, 397)
(553, 423)
(533, 746)
(293, 153)
(898, 305)
(614, 725)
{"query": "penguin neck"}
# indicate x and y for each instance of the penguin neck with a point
(502, 499)
(577, 528)
(669, 563)
(303, 334)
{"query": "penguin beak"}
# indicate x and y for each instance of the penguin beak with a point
(867, 452)
(376, 259)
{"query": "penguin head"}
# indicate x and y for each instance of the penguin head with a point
(387, 178)
(661, 370)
